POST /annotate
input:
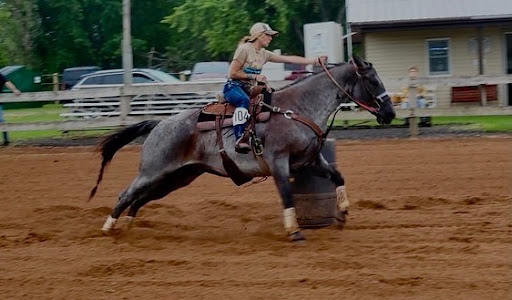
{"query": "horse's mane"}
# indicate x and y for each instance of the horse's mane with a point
(308, 78)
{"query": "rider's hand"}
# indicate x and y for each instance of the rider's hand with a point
(261, 78)
(322, 58)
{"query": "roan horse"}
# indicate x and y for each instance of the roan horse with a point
(175, 152)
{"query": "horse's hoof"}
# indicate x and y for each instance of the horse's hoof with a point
(341, 219)
(296, 237)
(108, 225)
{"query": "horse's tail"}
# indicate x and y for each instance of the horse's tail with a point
(117, 140)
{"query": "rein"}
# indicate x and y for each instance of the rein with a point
(359, 103)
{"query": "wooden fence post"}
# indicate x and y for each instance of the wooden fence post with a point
(483, 94)
(413, 120)
(55, 83)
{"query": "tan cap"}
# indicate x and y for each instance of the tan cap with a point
(260, 28)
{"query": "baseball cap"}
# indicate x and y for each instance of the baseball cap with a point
(260, 28)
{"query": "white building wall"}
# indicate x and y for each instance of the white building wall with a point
(392, 53)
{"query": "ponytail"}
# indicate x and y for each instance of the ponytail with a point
(245, 39)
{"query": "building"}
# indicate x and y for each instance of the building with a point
(442, 38)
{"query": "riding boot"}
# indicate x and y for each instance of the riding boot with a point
(241, 145)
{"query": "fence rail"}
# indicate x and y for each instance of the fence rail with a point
(142, 104)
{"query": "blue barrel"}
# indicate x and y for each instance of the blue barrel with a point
(315, 197)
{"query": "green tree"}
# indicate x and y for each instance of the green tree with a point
(19, 30)
(55, 34)
(218, 25)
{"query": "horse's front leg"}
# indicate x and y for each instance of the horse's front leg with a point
(337, 179)
(281, 174)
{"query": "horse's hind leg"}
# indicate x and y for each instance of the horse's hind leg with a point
(144, 189)
(138, 189)
(177, 179)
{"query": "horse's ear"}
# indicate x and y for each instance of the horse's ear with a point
(358, 61)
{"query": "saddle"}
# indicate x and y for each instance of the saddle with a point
(219, 115)
(208, 114)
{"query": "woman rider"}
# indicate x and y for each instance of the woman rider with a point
(245, 71)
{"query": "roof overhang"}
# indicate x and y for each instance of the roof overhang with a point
(504, 21)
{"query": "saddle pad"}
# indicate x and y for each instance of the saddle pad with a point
(210, 125)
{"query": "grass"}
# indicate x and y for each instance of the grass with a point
(50, 112)
(483, 123)
(47, 113)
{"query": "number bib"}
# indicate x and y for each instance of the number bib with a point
(240, 115)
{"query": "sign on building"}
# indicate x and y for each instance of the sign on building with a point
(324, 38)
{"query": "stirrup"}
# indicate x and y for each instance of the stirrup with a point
(255, 141)
(241, 146)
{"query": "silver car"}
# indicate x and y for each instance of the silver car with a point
(142, 104)
(115, 78)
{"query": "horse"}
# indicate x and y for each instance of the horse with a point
(175, 152)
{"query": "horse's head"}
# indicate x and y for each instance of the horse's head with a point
(369, 92)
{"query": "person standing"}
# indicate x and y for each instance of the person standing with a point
(403, 98)
(15, 91)
(245, 71)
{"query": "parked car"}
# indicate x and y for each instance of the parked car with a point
(115, 78)
(71, 76)
(210, 71)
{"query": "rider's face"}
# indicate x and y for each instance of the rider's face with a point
(265, 40)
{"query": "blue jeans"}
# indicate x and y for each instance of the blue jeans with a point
(235, 94)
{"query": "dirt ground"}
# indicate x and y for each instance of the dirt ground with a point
(430, 219)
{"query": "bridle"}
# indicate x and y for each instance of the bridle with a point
(371, 109)
(377, 99)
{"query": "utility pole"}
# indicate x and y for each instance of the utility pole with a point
(349, 33)
(127, 60)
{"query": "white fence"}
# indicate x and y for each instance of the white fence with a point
(128, 105)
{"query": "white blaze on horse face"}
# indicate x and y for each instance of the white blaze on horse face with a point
(290, 221)
(240, 115)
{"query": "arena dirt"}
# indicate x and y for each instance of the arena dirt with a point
(430, 219)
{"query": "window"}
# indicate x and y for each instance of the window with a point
(140, 78)
(438, 54)
(92, 80)
(113, 79)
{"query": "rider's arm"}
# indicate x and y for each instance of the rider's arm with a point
(293, 59)
(236, 72)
